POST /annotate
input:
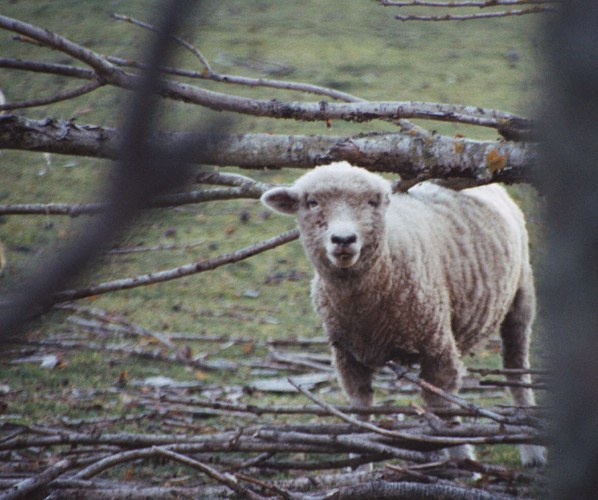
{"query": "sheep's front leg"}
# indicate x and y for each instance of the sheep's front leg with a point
(356, 381)
(444, 370)
(354, 377)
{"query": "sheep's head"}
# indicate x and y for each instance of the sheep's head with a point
(341, 211)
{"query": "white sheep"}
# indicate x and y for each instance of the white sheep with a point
(425, 275)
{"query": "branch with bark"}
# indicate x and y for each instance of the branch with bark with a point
(412, 156)
(535, 7)
(102, 69)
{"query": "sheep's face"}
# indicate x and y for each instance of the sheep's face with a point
(341, 212)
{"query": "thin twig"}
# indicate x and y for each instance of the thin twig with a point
(155, 248)
(464, 3)
(474, 409)
(177, 39)
(406, 437)
(467, 17)
(86, 88)
(177, 272)
(170, 200)
(508, 371)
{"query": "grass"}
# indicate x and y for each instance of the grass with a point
(358, 48)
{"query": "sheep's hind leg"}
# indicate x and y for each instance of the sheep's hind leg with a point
(515, 332)
(444, 371)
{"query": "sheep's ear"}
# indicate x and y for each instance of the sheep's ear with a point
(283, 200)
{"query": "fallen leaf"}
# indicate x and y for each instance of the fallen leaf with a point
(52, 361)
(186, 352)
(123, 379)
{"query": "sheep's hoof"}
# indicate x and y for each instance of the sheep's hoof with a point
(532, 456)
(464, 452)
(367, 467)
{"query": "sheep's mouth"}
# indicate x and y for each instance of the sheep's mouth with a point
(344, 258)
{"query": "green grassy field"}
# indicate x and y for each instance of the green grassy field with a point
(357, 47)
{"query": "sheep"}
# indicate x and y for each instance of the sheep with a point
(425, 275)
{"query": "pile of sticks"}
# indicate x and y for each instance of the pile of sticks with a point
(189, 440)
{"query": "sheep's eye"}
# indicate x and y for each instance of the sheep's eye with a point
(374, 203)
(311, 203)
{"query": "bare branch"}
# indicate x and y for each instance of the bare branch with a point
(171, 200)
(412, 156)
(538, 6)
(475, 410)
(177, 272)
(464, 3)
(355, 421)
(28, 487)
(467, 17)
(154, 248)
(177, 39)
(49, 68)
(322, 111)
(406, 438)
(61, 96)
(97, 62)
(320, 410)
(210, 74)
(387, 489)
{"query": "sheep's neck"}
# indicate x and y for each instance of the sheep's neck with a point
(361, 291)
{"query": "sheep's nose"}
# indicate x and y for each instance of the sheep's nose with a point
(343, 241)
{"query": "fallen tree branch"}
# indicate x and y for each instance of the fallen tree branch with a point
(60, 96)
(177, 272)
(410, 156)
(537, 7)
(170, 200)
(107, 72)
(411, 490)
(463, 3)
(318, 410)
(474, 409)
(30, 486)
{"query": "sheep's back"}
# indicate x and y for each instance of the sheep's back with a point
(474, 244)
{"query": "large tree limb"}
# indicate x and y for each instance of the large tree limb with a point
(353, 111)
(108, 70)
(102, 69)
(412, 156)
